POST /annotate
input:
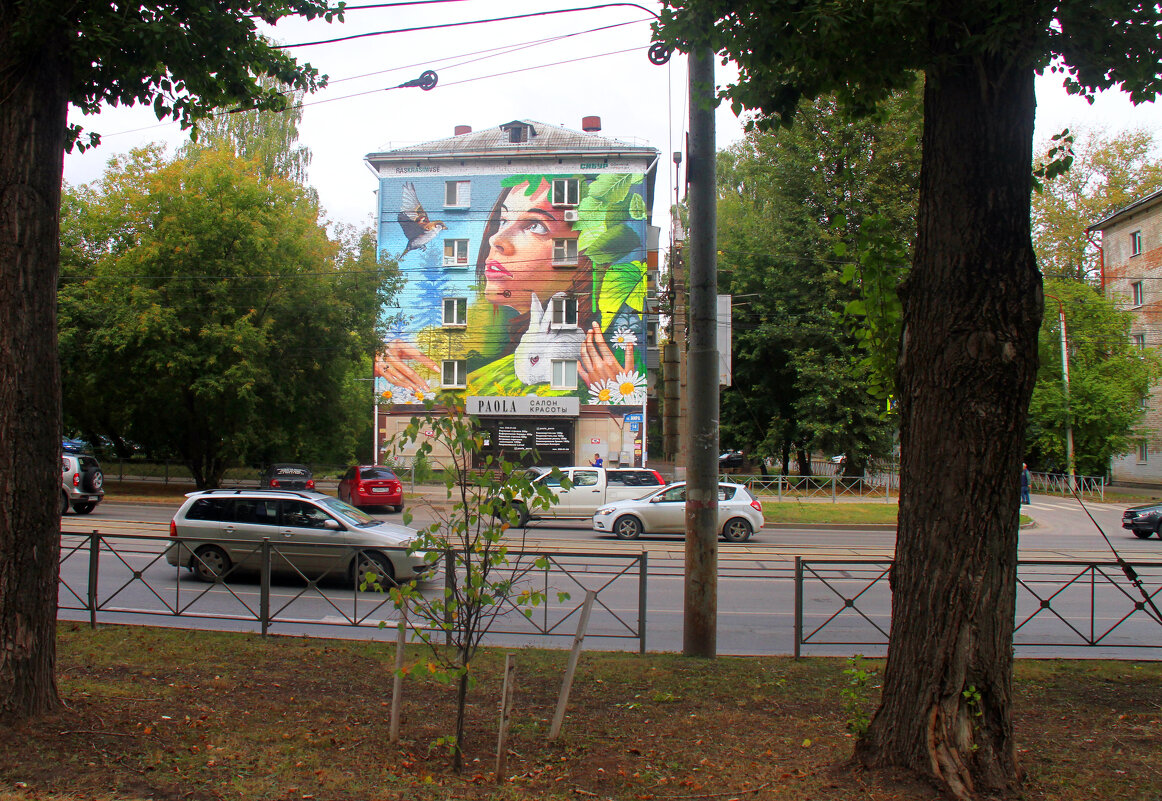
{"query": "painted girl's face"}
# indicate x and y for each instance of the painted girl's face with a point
(520, 256)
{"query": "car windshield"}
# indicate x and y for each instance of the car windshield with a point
(349, 513)
(376, 473)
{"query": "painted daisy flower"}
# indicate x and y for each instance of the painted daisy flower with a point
(419, 395)
(601, 392)
(629, 388)
(622, 337)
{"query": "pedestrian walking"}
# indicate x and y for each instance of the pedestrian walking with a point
(1024, 483)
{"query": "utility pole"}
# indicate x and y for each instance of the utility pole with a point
(700, 629)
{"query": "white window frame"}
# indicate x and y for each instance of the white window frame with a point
(564, 252)
(459, 374)
(566, 192)
(1139, 341)
(564, 311)
(458, 248)
(1136, 243)
(457, 194)
(562, 370)
(455, 312)
(1138, 293)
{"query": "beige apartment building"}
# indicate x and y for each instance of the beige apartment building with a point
(1131, 250)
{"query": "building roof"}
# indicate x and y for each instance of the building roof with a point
(541, 139)
(1138, 205)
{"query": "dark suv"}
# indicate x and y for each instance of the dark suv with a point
(287, 476)
(82, 483)
(1143, 520)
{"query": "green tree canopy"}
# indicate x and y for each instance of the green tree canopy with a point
(1108, 380)
(1109, 172)
(789, 200)
(205, 313)
(971, 307)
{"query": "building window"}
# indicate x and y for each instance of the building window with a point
(1136, 243)
(457, 193)
(564, 310)
(455, 252)
(455, 373)
(1142, 452)
(455, 311)
(564, 252)
(518, 134)
(1139, 341)
(1139, 293)
(564, 374)
(566, 192)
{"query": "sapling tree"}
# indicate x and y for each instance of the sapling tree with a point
(484, 577)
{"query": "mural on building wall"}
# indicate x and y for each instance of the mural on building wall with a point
(524, 285)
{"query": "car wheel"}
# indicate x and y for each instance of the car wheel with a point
(522, 515)
(627, 527)
(210, 563)
(371, 570)
(397, 508)
(92, 480)
(84, 508)
(64, 504)
(1144, 534)
(737, 529)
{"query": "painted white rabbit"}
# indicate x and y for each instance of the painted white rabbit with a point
(544, 342)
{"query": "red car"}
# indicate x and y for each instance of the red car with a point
(371, 485)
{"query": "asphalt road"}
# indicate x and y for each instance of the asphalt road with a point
(846, 602)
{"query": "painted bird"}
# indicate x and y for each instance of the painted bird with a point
(414, 221)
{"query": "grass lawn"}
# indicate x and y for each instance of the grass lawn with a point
(172, 714)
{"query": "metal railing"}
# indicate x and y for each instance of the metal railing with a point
(113, 575)
(1058, 484)
(1059, 604)
(835, 488)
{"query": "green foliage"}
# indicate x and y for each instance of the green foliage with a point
(1108, 172)
(269, 138)
(1108, 380)
(856, 694)
(185, 61)
(798, 248)
(484, 577)
(204, 313)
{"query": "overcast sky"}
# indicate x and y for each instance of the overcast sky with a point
(554, 68)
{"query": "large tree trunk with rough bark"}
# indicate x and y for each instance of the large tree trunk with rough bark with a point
(33, 106)
(968, 359)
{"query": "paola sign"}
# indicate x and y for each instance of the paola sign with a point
(523, 406)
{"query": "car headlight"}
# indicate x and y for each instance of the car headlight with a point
(603, 511)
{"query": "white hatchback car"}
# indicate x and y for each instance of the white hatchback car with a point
(309, 533)
(664, 512)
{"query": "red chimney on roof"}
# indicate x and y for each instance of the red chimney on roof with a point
(591, 124)
(463, 129)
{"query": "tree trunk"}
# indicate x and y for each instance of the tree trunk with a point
(33, 106)
(968, 360)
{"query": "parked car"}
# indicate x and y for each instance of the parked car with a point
(731, 460)
(310, 533)
(82, 483)
(663, 511)
(287, 476)
(590, 487)
(1144, 520)
(371, 485)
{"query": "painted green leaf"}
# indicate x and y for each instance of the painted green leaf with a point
(622, 284)
(613, 244)
(637, 207)
(612, 187)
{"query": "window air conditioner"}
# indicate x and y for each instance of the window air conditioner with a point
(571, 215)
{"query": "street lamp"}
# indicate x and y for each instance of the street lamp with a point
(1065, 381)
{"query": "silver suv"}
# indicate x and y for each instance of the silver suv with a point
(82, 483)
(220, 532)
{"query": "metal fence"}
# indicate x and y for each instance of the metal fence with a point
(111, 576)
(1059, 604)
(1058, 484)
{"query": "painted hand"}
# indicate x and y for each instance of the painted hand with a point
(598, 364)
(392, 365)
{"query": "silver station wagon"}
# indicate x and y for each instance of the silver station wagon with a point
(310, 534)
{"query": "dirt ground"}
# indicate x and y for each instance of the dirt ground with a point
(171, 714)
